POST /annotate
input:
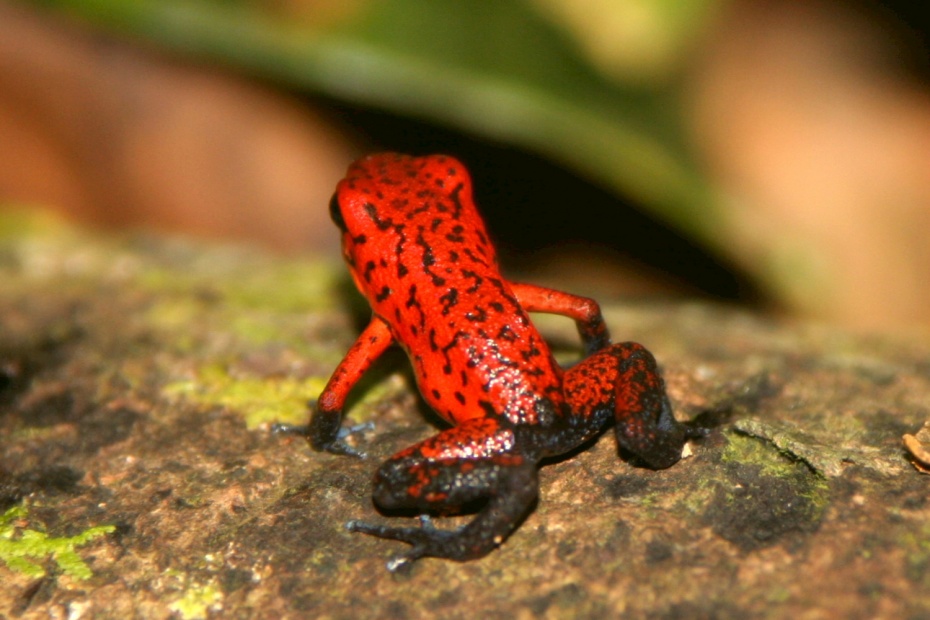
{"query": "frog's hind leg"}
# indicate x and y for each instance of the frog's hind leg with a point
(458, 468)
(624, 378)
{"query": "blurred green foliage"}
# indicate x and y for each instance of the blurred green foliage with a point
(507, 70)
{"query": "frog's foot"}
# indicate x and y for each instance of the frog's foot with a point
(645, 426)
(696, 429)
(426, 540)
(504, 484)
(338, 446)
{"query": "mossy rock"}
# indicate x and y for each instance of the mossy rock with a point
(139, 376)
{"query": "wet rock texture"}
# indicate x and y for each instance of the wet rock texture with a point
(139, 377)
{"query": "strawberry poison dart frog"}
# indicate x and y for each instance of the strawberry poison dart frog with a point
(417, 249)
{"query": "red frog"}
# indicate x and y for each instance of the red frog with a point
(418, 251)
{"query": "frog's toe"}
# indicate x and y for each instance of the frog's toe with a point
(337, 446)
(340, 447)
(280, 428)
(402, 563)
(695, 430)
(409, 535)
(348, 431)
(344, 449)
(425, 540)
(398, 564)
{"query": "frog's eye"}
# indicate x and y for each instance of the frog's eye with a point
(336, 213)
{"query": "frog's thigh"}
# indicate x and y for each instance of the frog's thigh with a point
(460, 465)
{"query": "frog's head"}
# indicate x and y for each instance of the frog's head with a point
(383, 191)
(387, 202)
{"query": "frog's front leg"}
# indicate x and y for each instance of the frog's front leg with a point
(623, 379)
(458, 468)
(326, 420)
(585, 311)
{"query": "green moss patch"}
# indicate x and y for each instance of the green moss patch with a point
(765, 497)
(260, 401)
(197, 601)
(272, 399)
(21, 548)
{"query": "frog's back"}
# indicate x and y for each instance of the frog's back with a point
(421, 255)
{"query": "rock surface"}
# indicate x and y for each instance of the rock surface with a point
(139, 377)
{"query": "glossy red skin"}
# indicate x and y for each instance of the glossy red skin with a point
(418, 250)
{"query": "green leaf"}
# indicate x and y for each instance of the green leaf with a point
(498, 69)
